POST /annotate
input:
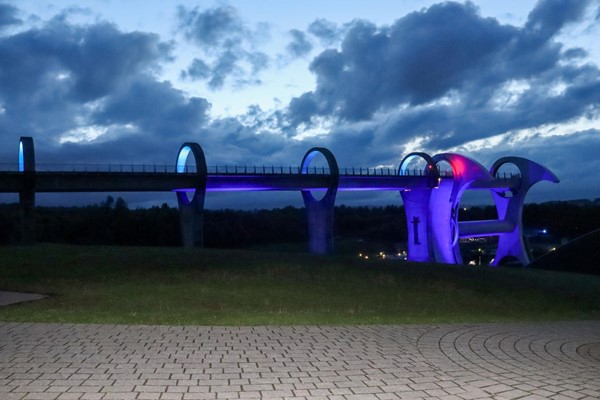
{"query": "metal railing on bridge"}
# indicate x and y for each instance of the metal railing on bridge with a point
(233, 170)
(217, 169)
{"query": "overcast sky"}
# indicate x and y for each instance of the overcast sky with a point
(260, 82)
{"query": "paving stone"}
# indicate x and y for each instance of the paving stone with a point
(514, 394)
(148, 396)
(91, 396)
(199, 396)
(119, 396)
(171, 396)
(451, 361)
(69, 396)
(41, 396)
(532, 397)
(12, 396)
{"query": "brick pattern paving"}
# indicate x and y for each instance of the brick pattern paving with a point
(483, 361)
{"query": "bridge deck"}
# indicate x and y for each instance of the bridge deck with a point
(51, 181)
(11, 182)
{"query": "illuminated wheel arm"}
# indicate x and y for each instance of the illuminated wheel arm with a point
(319, 213)
(191, 211)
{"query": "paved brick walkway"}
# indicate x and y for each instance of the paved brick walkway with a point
(493, 361)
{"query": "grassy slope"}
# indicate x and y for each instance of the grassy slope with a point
(214, 287)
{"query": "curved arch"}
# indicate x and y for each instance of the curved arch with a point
(531, 172)
(510, 207)
(431, 169)
(464, 167)
(26, 154)
(201, 170)
(319, 213)
(464, 170)
(191, 211)
(334, 171)
(445, 202)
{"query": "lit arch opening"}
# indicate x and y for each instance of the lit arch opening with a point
(21, 158)
(191, 160)
(324, 163)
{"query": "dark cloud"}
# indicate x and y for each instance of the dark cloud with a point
(258, 60)
(107, 57)
(8, 15)
(549, 16)
(52, 77)
(226, 65)
(96, 86)
(211, 27)
(445, 72)
(198, 69)
(420, 58)
(228, 141)
(576, 52)
(87, 62)
(300, 45)
(226, 43)
(326, 31)
(302, 109)
(156, 108)
(63, 80)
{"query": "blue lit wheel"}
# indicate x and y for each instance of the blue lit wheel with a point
(334, 171)
(199, 168)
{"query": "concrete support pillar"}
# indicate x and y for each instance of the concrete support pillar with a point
(191, 211)
(27, 192)
(509, 205)
(443, 215)
(417, 209)
(319, 213)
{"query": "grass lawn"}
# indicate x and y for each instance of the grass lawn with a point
(145, 285)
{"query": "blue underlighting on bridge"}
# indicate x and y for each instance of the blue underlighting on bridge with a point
(431, 215)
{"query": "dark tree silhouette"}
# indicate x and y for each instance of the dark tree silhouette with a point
(112, 222)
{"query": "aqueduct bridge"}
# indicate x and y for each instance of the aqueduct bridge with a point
(431, 195)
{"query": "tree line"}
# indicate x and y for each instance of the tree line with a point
(112, 222)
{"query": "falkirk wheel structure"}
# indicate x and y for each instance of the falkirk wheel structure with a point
(433, 213)
(431, 194)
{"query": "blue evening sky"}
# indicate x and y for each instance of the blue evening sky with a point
(260, 82)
